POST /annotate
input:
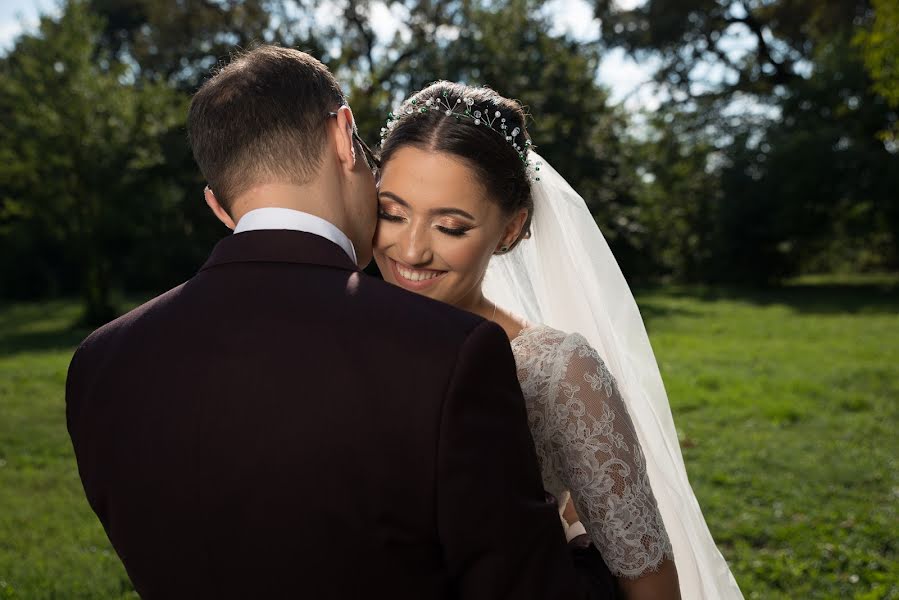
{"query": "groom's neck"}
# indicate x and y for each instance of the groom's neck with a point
(311, 199)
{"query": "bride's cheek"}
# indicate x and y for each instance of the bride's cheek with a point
(469, 258)
(385, 234)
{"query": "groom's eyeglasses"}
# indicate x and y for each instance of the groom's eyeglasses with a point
(373, 163)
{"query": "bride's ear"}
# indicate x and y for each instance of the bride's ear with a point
(512, 231)
(217, 209)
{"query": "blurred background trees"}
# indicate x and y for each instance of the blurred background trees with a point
(773, 151)
(799, 179)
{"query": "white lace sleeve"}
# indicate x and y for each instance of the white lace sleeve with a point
(592, 446)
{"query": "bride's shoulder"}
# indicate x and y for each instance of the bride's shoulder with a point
(544, 333)
(531, 334)
(544, 345)
(545, 340)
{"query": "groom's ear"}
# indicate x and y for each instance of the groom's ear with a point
(217, 209)
(343, 138)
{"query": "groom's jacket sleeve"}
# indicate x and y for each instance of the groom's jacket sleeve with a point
(500, 537)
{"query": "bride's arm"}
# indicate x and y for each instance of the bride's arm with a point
(662, 583)
(597, 455)
(658, 585)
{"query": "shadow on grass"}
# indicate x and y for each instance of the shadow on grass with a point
(652, 310)
(40, 327)
(54, 325)
(42, 342)
(878, 296)
(50, 325)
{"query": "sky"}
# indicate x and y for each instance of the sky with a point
(618, 72)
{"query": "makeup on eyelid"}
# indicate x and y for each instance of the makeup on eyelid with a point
(451, 227)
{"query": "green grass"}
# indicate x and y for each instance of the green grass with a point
(51, 544)
(785, 400)
(786, 404)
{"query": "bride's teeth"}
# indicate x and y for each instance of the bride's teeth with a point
(416, 275)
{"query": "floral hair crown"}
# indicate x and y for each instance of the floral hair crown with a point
(491, 119)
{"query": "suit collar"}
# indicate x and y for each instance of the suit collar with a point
(288, 218)
(278, 245)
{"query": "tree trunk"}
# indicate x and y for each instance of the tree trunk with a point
(96, 291)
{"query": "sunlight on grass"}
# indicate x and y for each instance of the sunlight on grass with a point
(786, 406)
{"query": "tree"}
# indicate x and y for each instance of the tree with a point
(179, 42)
(81, 150)
(710, 50)
(679, 197)
(778, 90)
(816, 186)
(880, 47)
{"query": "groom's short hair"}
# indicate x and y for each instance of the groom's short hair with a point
(261, 119)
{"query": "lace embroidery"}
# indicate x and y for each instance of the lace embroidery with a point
(586, 444)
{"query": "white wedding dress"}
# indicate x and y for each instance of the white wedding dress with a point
(598, 409)
(586, 446)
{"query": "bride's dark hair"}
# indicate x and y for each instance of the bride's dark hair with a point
(500, 168)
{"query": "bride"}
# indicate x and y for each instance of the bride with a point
(471, 215)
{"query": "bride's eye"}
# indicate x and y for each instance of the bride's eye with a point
(389, 217)
(457, 232)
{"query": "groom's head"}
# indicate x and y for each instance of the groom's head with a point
(272, 128)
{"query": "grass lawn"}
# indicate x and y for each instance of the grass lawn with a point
(786, 402)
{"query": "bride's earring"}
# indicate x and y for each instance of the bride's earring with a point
(502, 249)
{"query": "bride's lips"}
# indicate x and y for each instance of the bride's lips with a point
(405, 276)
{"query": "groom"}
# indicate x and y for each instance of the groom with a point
(282, 425)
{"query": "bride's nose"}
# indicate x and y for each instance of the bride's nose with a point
(415, 246)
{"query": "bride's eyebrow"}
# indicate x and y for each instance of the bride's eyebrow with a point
(436, 211)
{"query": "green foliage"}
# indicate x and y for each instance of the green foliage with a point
(880, 46)
(179, 42)
(815, 189)
(774, 164)
(779, 36)
(784, 403)
(679, 196)
(81, 149)
(880, 43)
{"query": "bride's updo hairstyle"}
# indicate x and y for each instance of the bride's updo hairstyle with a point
(477, 125)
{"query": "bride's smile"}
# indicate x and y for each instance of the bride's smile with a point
(412, 278)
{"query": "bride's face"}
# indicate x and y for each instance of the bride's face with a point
(437, 229)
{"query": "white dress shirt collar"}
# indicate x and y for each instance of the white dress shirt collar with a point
(287, 218)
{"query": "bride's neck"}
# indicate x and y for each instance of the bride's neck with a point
(479, 305)
(483, 307)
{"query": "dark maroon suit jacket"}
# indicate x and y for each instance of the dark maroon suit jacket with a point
(284, 426)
